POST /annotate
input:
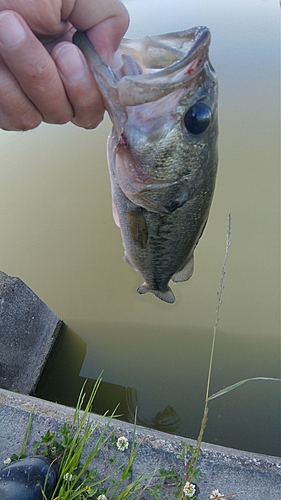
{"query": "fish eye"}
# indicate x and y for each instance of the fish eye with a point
(197, 119)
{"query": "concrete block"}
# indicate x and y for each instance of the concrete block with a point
(28, 329)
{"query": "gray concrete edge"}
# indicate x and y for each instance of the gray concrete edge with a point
(251, 476)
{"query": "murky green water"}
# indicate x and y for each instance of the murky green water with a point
(57, 234)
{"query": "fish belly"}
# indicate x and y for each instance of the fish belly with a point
(160, 247)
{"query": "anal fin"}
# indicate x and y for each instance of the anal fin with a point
(186, 272)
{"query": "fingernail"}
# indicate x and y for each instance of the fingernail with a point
(70, 62)
(11, 30)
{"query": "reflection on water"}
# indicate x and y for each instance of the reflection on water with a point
(166, 420)
(61, 381)
(57, 234)
(146, 377)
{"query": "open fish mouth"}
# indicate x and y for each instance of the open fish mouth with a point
(152, 67)
(189, 50)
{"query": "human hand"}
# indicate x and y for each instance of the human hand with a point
(44, 77)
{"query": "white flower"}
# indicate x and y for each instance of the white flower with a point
(102, 497)
(189, 489)
(216, 494)
(68, 476)
(122, 443)
(7, 461)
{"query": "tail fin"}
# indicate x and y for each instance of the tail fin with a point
(166, 296)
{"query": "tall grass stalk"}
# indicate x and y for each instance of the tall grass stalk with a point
(192, 466)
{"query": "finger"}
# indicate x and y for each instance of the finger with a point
(106, 21)
(79, 84)
(86, 14)
(16, 111)
(33, 68)
(43, 17)
(104, 44)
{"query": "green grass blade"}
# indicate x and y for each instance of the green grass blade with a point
(26, 436)
(234, 386)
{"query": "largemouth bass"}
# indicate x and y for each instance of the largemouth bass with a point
(162, 151)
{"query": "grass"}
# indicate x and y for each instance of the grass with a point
(76, 479)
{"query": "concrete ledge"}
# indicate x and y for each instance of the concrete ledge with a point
(28, 330)
(251, 476)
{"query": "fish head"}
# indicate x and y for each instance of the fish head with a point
(162, 101)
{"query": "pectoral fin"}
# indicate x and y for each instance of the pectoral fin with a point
(185, 273)
(115, 214)
(127, 260)
(138, 227)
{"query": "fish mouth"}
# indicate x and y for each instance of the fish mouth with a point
(153, 67)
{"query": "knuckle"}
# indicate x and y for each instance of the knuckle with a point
(39, 75)
(124, 17)
(27, 121)
(87, 124)
(17, 113)
(88, 117)
(19, 123)
(59, 116)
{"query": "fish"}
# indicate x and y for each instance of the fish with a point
(161, 97)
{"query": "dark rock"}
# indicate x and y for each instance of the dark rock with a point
(25, 479)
